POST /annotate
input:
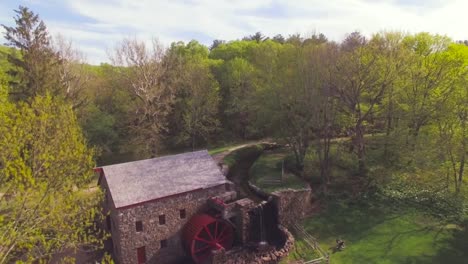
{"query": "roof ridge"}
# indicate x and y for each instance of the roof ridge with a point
(155, 158)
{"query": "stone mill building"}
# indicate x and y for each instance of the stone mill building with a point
(182, 209)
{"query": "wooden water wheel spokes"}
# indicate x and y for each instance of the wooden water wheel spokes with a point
(204, 234)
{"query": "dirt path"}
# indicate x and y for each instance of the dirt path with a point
(219, 157)
(239, 173)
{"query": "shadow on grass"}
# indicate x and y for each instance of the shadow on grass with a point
(456, 249)
(380, 233)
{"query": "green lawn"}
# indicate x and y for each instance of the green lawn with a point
(377, 234)
(301, 251)
(268, 168)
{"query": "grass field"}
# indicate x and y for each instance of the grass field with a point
(378, 234)
(301, 251)
(268, 169)
(374, 231)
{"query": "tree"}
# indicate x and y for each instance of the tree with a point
(296, 99)
(45, 166)
(151, 77)
(106, 114)
(71, 72)
(315, 39)
(326, 110)
(258, 37)
(452, 121)
(197, 96)
(201, 112)
(428, 81)
(279, 38)
(34, 70)
(239, 81)
(216, 43)
(295, 39)
(364, 72)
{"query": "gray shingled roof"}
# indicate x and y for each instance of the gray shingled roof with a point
(144, 180)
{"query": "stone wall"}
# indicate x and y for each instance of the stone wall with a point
(243, 207)
(293, 204)
(108, 208)
(128, 239)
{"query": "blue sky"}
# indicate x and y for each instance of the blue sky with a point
(95, 26)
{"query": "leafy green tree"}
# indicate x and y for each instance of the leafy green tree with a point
(45, 168)
(232, 50)
(452, 121)
(364, 72)
(108, 114)
(5, 65)
(201, 113)
(197, 100)
(428, 80)
(296, 97)
(239, 81)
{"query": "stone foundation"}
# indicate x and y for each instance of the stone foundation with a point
(245, 255)
(243, 207)
(293, 204)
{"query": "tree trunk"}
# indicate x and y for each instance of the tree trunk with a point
(463, 153)
(460, 172)
(389, 122)
(462, 166)
(360, 149)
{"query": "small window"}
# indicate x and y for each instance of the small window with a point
(141, 255)
(182, 213)
(139, 226)
(164, 243)
(162, 219)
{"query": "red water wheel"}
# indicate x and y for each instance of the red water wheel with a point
(204, 233)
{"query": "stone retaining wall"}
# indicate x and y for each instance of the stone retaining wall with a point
(293, 204)
(250, 256)
(259, 192)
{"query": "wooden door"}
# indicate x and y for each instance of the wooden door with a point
(141, 255)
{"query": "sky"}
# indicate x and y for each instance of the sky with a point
(96, 26)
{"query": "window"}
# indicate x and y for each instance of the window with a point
(182, 213)
(141, 255)
(164, 243)
(139, 226)
(162, 219)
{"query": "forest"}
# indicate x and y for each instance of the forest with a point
(391, 108)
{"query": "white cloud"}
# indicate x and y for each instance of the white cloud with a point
(111, 20)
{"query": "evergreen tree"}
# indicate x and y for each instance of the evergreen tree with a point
(33, 70)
